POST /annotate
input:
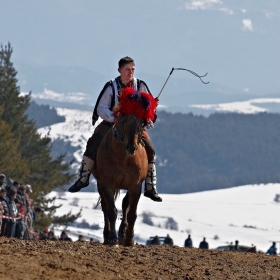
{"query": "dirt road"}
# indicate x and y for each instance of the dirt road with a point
(21, 259)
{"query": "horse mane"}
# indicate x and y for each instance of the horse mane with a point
(141, 104)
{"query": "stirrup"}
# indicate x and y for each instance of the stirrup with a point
(78, 186)
(153, 195)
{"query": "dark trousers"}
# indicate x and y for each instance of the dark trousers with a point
(99, 132)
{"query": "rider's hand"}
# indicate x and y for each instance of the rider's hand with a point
(150, 124)
(157, 100)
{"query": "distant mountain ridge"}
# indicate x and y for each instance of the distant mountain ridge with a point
(77, 88)
(194, 153)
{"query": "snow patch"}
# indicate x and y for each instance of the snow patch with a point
(245, 213)
(245, 107)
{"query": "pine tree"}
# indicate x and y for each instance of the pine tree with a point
(27, 156)
(9, 151)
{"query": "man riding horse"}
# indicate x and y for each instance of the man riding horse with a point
(107, 99)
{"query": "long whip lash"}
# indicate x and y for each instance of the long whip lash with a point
(192, 72)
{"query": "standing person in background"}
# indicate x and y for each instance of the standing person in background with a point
(13, 212)
(155, 241)
(21, 206)
(1, 215)
(108, 98)
(236, 246)
(272, 249)
(3, 183)
(80, 239)
(168, 240)
(64, 237)
(51, 236)
(204, 244)
(4, 202)
(188, 242)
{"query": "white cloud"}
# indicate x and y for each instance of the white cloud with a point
(208, 5)
(71, 97)
(247, 25)
(201, 4)
(268, 14)
(243, 11)
(227, 11)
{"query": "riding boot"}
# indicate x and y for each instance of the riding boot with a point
(84, 173)
(150, 184)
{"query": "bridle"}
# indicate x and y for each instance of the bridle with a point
(119, 134)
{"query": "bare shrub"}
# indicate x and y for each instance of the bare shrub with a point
(171, 224)
(147, 218)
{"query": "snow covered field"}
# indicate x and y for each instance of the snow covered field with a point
(246, 213)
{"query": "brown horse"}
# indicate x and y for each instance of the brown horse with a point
(122, 164)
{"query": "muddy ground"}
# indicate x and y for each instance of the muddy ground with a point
(21, 259)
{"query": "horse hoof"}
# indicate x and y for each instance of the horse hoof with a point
(113, 243)
(129, 242)
(121, 240)
(109, 242)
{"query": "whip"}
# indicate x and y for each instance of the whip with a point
(192, 72)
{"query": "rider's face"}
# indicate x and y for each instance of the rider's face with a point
(127, 72)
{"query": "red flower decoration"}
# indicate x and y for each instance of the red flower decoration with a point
(141, 104)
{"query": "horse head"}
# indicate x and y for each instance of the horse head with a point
(128, 130)
(135, 109)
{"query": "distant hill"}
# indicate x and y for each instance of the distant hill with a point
(194, 153)
(43, 115)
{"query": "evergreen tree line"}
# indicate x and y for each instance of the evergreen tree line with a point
(25, 156)
(197, 153)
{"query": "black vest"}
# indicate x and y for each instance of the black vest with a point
(116, 89)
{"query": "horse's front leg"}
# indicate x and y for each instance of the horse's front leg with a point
(131, 216)
(106, 230)
(112, 216)
(123, 225)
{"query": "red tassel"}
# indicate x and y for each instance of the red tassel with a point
(141, 104)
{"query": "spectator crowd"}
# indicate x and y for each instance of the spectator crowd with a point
(17, 215)
(156, 240)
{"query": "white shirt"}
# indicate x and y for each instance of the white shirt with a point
(103, 107)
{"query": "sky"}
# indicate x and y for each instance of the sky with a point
(245, 213)
(235, 42)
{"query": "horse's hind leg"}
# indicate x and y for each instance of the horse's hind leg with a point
(123, 225)
(131, 217)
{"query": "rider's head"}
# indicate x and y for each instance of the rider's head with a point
(126, 69)
(125, 60)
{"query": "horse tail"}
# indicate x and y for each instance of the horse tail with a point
(116, 195)
(98, 202)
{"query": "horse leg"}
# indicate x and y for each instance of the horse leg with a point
(131, 217)
(112, 216)
(123, 225)
(106, 229)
